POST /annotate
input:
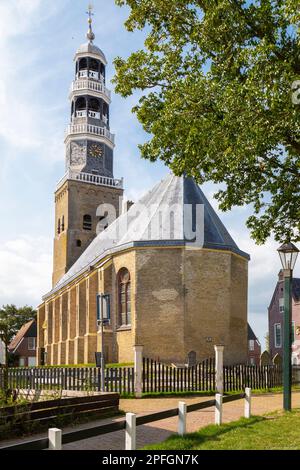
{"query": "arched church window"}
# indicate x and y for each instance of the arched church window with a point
(58, 226)
(63, 223)
(124, 297)
(87, 222)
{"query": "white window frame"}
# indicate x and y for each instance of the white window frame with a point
(281, 305)
(277, 346)
(29, 344)
(251, 344)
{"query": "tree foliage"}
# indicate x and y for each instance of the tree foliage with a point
(221, 100)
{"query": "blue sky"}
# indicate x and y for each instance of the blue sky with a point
(38, 40)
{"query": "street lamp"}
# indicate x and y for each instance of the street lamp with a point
(288, 253)
(103, 317)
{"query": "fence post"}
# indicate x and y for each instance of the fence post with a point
(247, 402)
(182, 418)
(138, 371)
(130, 433)
(219, 350)
(218, 408)
(55, 438)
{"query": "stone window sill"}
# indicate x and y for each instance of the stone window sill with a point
(124, 328)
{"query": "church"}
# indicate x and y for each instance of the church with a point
(176, 281)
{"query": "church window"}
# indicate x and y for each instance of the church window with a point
(87, 222)
(58, 226)
(124, 297)
(78, 243)
(63, 223)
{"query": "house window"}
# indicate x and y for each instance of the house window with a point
(252, 361)
(124, 297)
(277, 335)
(31, 343)
(251, 345)
(281, 305)
(87, 222)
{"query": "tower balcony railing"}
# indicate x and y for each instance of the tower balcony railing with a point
(90, 129)
(98, 180)
(86, 84)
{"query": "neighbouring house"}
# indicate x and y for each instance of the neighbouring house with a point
(23, 345)
(254, 347)
(176, 279)
(276, 318)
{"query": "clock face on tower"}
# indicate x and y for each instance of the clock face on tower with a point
(95, 150)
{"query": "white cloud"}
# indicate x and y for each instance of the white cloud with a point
(26, 265)
(23, 120)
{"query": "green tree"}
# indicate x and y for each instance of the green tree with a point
(11, 320)
(221, 100)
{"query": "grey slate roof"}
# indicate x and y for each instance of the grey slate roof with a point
(147, 223)
(251, 334)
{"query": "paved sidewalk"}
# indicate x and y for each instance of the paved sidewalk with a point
(158, 431)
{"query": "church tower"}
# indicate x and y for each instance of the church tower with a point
(89, 180)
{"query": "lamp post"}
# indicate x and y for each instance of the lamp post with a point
(288, 253)
(103, 317)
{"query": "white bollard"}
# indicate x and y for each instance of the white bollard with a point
(219, 352)
(138, 371)
(130, 432)
(218, 409)
(55, 439)
(181, 418)
(247, 402)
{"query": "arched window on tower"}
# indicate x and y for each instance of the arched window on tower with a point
(58, 227)
(102, 73)
(80, 107)
(124, 297)
(94, 108)
(105, 114)
(94, 66)
(63, 223)
(83, 68)
(87, 222)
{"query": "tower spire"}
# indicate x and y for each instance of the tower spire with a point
(90, 34)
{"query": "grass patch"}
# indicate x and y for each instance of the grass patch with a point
(274, 431)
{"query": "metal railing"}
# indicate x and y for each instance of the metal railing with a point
(90, 129)
(86, 84)
(92, 179)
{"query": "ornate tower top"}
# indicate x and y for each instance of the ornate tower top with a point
(90, 34)
(88, 140)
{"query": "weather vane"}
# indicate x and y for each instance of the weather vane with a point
(90, 35)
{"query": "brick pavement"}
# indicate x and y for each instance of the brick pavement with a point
(158, 431)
